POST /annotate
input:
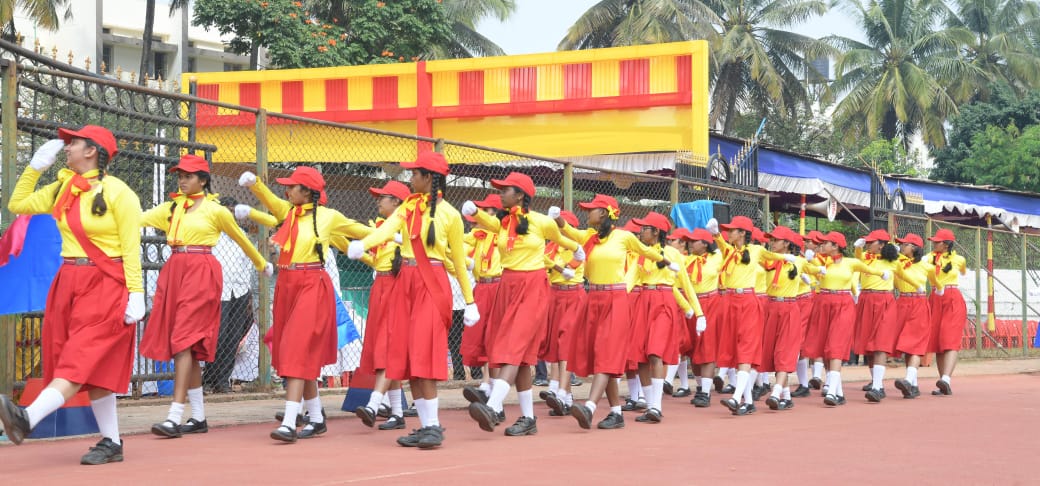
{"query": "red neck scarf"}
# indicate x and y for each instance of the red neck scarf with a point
(698, 264)
(732, 257)
(185, 201)
(78, 185)
(481, 235)
(288, 231)
(510, 222)
(776, 267)
(937, 260)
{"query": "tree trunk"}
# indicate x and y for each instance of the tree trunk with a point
(146, 44)
(254, 56)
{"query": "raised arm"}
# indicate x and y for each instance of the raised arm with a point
(25, 201)
(276, 205)
(226, 223)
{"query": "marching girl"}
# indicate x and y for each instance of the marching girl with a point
(657, 322)
(600, 337)
(813, 240)
(688, 336)
(877, 327)
(804, 299)
(185, 316)
(833, 316)
(912, 273)
(304, 324)
(782, 334)
(418, 336)
(385, 259)
(522, 305)
(96, 299)
(638, 392)
(486, 263)
(703, 269)
(761, 380)
(566, 306)
(947, 306)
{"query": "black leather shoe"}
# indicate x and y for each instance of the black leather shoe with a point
(914, 392)
(104, 452)
(667, 388)
(501, 416)
(554, 403)
(944, 387)
(583, 415)
(614, 420)
(869, 386)
(718, 383)
(730, 403)
(410, 440)
(654, 415)
(682, 392)
(433, 437)
(701, 400)
(193, 426)
(629, 405)
(540, 382)
(728, 390)
(474, 394)
(167, 429)
(875, 396)
(904, 387)
(745, 409)
(563, 413)
(785, 405)
(367, 416)
(773, 403)
(14, 420)
(392, 423)
(801, 391)
(486, 418)
(523, 426)
(384, 411)
(284, 434)
(575, 381)
(815, 383)
(301, 418)
(313, 430)
(834, 400)
(410, 412)
(758, 391)
(643, 418)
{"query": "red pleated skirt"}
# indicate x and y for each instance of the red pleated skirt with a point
(831, 327)
(475, 338)
(186, 308)
(805, 304)
(84, 337)
(741, 338)
(303, 332)
(601, 337)
(418, 333)
(877, 327)
(520, 316)
(949, 314)
(377, 324)
(706, 346)
(657, 324)
(781, 337)
(916, 316)
(566, 308)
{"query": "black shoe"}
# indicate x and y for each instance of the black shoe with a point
(410, 440)
(540, 382)
(410, 412)
(284, 434)
(575, 381)
(166, 429)
(801, 391)
(313, 430)
(583, 415)
(474, 394)
(301, 418)
(523, 426)
(653, 415)
(682, 392)
(544, 394)
(773, 403)
(758, 391)
(565, 411)
(728, 390)
(944, 387)
(701, 400)
(384, 411)
(15, 421)
(745, 409)
(614, 420)
(904, 387)
(815, 383)
(104, 452)
(667, 388)
(486, 418)
(392, 423)
(869, 386)
(719, 384)
(730, 403)
(833, 400)
(785, 405)
(193, 426)
(501, 416)
(629, 405)
(433, 437)
(914, 392)
(367, 416)
(554, 403)
(875, 396)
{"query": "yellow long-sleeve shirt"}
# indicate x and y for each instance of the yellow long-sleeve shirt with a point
(703, 271)
(561, 258)
(761, 280)
(606, 262)
(840, 274)
(482, 247)
(381, 258)
(117, 233)
(912, 277)
(201, 226)
(528, 250)
(737, 275)
(785, 286)
(682, 288)
(871, 282)
(959, 267)
(448, 246)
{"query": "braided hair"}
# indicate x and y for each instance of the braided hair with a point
(745, 257)
(99, 207)
(792, 249)
(438, 187)
(918, 253)
(949, 251)
(522, 225)
(662, 239)
(318, 248)
(889, 252)
(605, 227)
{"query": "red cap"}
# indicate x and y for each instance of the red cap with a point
(836, 238)
(517, 180)
(604, 202)
(392, 188)
(657, 220)
(682, 233)
(758, 235)
(632, 227)
(785, 233)
(491, 201)
(739, 222)
(912, 239)
(815, 237)
(191, 163)
(943, 235)
(431, 161)
(308, 177)
(879, 235)
(570, 218)
(701, 234)
(100, 135)
(798, 240)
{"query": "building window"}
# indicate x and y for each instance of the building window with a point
(233, 67)
(190, 68)
(159, 63)
(106, 57)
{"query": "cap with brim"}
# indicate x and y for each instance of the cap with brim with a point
(836, 238)
(680, 233)
(701, 234)
(878, 235)
(307, 177)
(943, 235)
(602, 201)
(815, 237)
(912, 239)
(191, 163)
(392, 188)
(570, 218)
(739, 222)
(431, 161)
(632, 227)
(491, 201)
(100, 135)
(655, 220)
(517, 180)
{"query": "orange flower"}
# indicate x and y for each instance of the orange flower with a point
(332, 42)
(292, 15)
(298, 4)
(343, 37)
(307, 21)
(323, 49)
(263, 4)
(380, 4)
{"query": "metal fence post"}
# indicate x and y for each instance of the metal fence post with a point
(675, 190)
(568, 187)
(264, 313)
(9, 114)
(1025, 296)
(978, 292)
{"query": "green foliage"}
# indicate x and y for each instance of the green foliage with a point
(1006, 157)
(887, 157)
(799, 132)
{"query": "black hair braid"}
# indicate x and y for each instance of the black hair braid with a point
(918, 254)
(792, 249)
(205, 179)
(745, 257)
(605, 227)
(318, 248)
(662, 239)
(395, 264)
(100, 207)
(522, 225)
(889, 252)
(438, 183)
(949, 251)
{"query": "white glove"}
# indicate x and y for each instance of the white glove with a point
(702, 325)
(860, 243)
(247, 179)
(568, 273)
(554, 212)
(855, 298)
(471, 316)
(689, 314)
(674, 267)
(789, 258)
(920, 289)
(579, 254)
(940, 291)
(806, 279)
(823, 271)
(374, 274)
(268, 270)
(809, 254)
(134, 308)
(242, 211)
(712, 226)
(469, 264)
(397, 238)
(468, 208)
(45, 156)
(355, 250)
(887, 274)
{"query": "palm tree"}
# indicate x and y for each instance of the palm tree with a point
(894, 83)
(149, 25)
(44, 13)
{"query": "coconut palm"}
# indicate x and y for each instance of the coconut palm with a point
(47, 14)
(149, 25)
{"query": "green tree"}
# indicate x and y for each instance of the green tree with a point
(47, 14)
(1007, 157)
(888, 157)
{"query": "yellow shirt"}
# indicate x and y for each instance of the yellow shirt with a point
(785, 286)
(380, 258)
(607, 261)
(330, 223)
(682, 288)
(448, 241)
(804, 288)
(912, 277)
(871, 282)
(840, 274)
(737, 275)
(528, 250)
(707, 266)
(117, 233)
(479, 245)
(201, 226)
(943, 278)
(562, 258)
(761, 280)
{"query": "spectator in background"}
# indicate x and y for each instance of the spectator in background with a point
(458, 308)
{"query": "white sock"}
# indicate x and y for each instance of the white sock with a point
(760, 379)
(945, 378)
(834, 383)
(684, 375)
(706, 386)
(198, 408)
(633, 389)
(526, 399)
(431, 412)
(878, 375)
(741, 383)
(657, 388)
(589, 404)
(817, 369)
(568, 399)
(420, 409)
(748, 396)
(176, 413)
(731, 377)
(768, 380)
(292, 409)
(314, 409)
(724, 372)
(777, 390)
(386, 399)
(49, 400)
(616, 409)
(670, 371)
(554, 386)
(374, 400)
(499, 390)
(802, 369)
(396, 402)
(911, 375)
(648, 393)
(786, 393)
(485, 387)
(105, 414)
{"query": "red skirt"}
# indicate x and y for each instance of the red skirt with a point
(805, 304)
(566, 308)
(475, 338)
(657, 323)
(601, 336)
(741, 339)
(706, 346)
(831, 327)
(374, 349)
(418, 333)
(782, 337)
(949, 314)
(303, 334)
(84, 337)
(916, 316)
(186, 309)
(876, 322)
(520, 315)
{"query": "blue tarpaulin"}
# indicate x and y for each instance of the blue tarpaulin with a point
(694, 214)
(25, 279)
(346, 331)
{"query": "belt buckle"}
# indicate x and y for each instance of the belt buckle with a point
(738, 291)
(81, 261)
